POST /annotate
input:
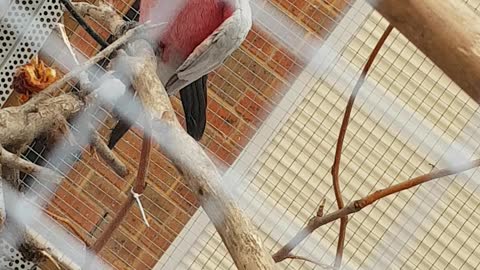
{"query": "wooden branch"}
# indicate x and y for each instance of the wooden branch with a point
(446, 31)
(341, 138)
(15, 162)
(68, 223)
(358, 205)
(237, 232)
(200, 173)
(107, 155)
(102, 13)
(21, 125)
(35, 240)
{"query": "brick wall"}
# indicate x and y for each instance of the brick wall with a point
(241, 95)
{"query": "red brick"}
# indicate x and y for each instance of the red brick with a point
(153, 238)
(178, 221)
(79, 172)
(83, 42)
(158, 204)
(77, 206)
(123, 246)
(184, 198)
(145, 261)
(222, 119)
(253, 108)
(223, 150)
(243, 134)
(133, 222)
(113, 259)
(105, 193)
(107, 173)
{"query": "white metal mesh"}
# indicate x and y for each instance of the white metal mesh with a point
(409, 118)
(24, 27)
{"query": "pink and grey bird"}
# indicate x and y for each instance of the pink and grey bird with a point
(198, 36)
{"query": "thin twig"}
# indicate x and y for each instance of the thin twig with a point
(295, 257)
(341, 138)
(67, 222)
(358, 205)
(285, 252)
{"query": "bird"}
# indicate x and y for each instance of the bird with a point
(196, 37)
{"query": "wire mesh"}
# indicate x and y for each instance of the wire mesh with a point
(406, 121)
(235, 116)
(410, 118)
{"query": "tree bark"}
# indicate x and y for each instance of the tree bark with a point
(237, 232)
(21, 125)
(447, 31)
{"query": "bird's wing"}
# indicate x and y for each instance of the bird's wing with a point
(214, 50)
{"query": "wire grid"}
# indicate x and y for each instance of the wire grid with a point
(64, 162)
(410, 119)
(74, 163)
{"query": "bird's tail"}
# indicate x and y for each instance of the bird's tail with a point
(194, 101)
(118, 131)
(123, 124)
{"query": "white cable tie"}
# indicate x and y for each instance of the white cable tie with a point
(136, 196)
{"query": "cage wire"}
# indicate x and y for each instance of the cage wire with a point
(409, 118)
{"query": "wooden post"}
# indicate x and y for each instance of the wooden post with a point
(447, 31)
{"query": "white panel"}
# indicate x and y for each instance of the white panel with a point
(409, 118)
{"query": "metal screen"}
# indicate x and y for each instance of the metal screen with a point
(24, 27)
(274, 112)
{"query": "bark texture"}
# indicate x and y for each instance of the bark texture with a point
(21, 125)
(447, 31)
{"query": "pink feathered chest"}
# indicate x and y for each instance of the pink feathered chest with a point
(191, 23)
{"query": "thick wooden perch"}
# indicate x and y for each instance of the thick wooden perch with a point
(237, 232)
(21, 125)
(447, 31)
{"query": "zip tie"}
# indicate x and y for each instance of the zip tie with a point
(136, 196)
